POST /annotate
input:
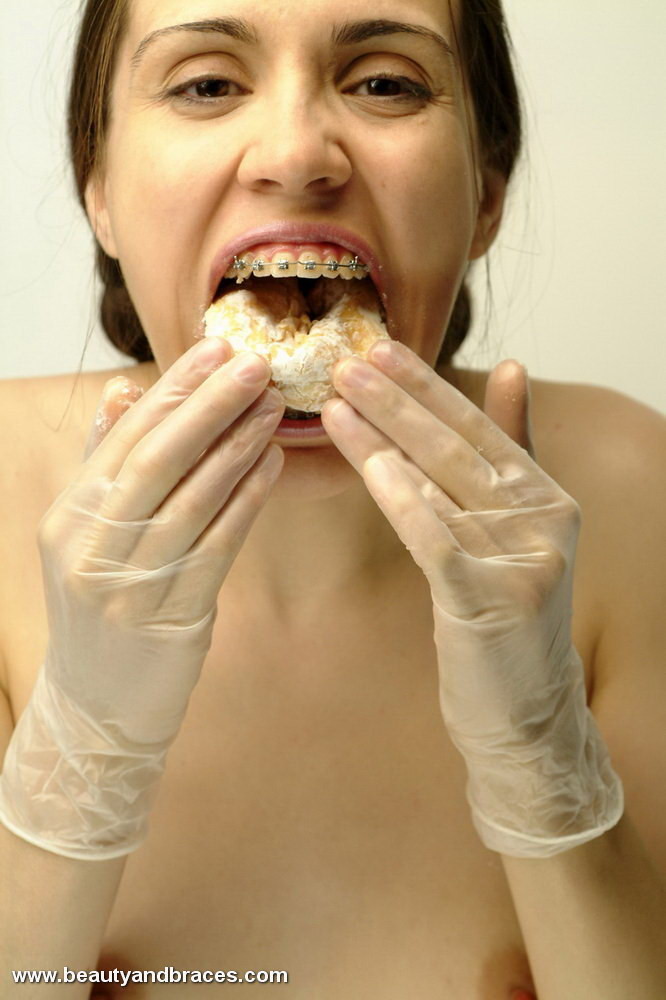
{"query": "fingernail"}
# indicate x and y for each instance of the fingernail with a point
(271, 402)
(340, 412)
(119, 393)
(275, 397)
(385, 354)
(250, 369)
(354, 373)
(114, 386)
(124, 390)
(211, 350)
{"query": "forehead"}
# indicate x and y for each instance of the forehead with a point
(309, 15)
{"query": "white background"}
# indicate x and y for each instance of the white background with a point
(579, 273)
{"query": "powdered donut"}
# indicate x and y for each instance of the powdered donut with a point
(271, 318)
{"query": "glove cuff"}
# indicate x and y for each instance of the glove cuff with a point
(556, 811)
(68, 787)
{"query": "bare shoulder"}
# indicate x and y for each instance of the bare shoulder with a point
(607, 451)
(45, 420)
(46, 404)
(585, 434)
(50, 417)
(623, 445)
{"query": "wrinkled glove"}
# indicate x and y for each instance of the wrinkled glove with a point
(512, 685)
(495, 537)
(134, 553)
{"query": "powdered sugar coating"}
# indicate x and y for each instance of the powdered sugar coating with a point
(271, 319)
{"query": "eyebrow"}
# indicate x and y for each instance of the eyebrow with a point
(353, 32)
(349, 33)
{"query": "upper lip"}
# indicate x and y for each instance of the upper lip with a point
(290, 232)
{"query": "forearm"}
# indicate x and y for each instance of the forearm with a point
(53, 912)
(593, 919)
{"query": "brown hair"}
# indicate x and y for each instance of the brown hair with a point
(484, 44)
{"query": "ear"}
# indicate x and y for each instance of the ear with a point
(98, 214)
(491, 208)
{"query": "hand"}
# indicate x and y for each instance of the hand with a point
(495, 537)
(134, 553)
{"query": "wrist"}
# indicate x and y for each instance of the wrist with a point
(550, 801)
(68, 787)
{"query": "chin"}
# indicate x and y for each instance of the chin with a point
(314, 474)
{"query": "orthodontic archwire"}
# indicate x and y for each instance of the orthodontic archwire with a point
(309, 265)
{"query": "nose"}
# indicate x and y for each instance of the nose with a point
(295, 147)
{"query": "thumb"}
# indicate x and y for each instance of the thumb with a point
(118, 395)
(507, 403)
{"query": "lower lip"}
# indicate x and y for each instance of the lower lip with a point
(300, 429)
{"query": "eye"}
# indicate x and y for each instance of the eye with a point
(204, 90)
(387, 85)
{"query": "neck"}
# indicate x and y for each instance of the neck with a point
(304, 554)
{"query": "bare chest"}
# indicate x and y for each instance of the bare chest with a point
(312, 818)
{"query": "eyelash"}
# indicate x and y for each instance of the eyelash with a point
(417, 91)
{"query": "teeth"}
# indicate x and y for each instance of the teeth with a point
(331, 266)
(283, 265)
(348, 266)
(286, 265)
(261, 268)
(241, 269)
(307, 266)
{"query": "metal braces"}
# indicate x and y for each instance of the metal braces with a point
(260, 265)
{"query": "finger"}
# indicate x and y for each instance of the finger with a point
(118, 396)
(460, 582)
(407, 370)
(428, 540)
(167, 452)
(507, 403)
(358, 440)
(444, 455)
(203, 493)
(219, 545)
(172, 388)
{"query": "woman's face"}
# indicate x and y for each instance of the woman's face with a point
(288, 128)
(212, 135)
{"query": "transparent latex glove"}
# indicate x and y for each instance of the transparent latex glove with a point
(496, 538)
(134, 553)
(512, 685)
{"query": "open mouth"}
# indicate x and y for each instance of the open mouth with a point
(320, 292)
(322, 289)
